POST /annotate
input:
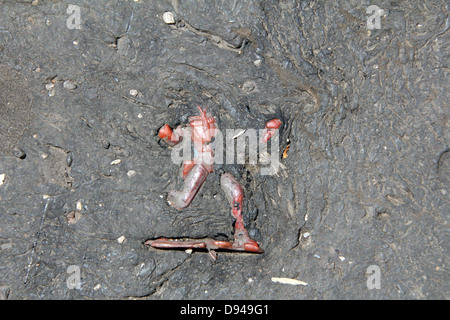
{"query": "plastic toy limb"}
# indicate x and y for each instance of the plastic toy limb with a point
(242, 241)
(172, 138)
(235, 196)
(270, 129)
(192, 183)
(207, 243)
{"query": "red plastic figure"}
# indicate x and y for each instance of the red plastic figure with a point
(195, 172)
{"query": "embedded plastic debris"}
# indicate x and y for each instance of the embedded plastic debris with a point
(195, 172)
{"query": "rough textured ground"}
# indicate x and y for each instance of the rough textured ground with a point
(366, 177)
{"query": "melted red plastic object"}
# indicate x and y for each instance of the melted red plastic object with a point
(168, 136)
(235, 196)
(192, 183)
(165, 132)
(271, 128)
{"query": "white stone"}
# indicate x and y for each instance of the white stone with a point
(290, 281)
(168, 17)
(69, 85)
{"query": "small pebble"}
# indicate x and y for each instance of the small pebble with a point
(6, 246)
(106, 144)
(2, 178)
(248, 86)
(342, 258)
(117, 161)
(4, 292)
(215, 38)
(168, 17)
(188, 251)
(98, 286)
(130, 128)
(79, 206)
(18, 153)
(69, 85)
(49, 86)
(69, 159)
(121, 239)
(134, 92)
(257, 63)
(131, 173)
(73, 217)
